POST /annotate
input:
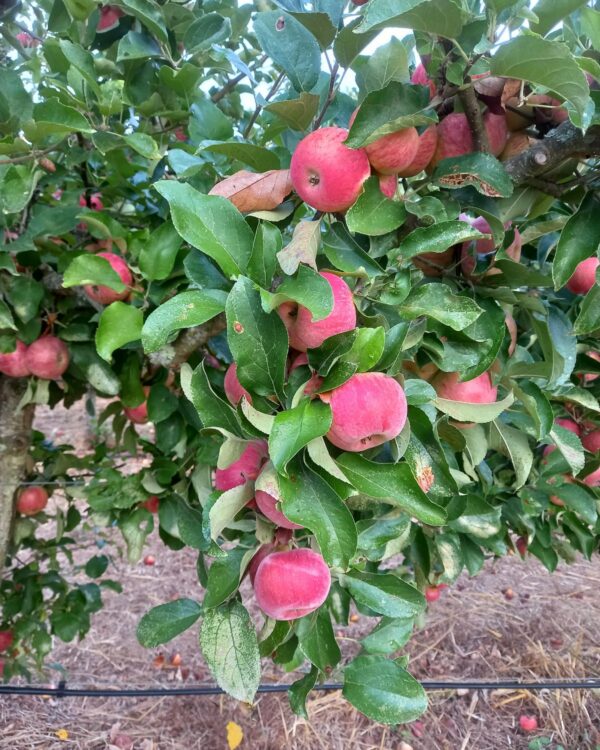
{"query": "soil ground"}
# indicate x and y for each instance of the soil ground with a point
(514, 620)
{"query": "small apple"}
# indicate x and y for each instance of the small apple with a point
(521, 545)
(47, 358)
(109, 17)
(151, 504)
(149, 560)
(234, 390)
(528, 723)
(584, 276)
(32, 500)
(14, 364)
(138, 414)
(325, 173)
(432, 593)
(104, 295)
(95, 202)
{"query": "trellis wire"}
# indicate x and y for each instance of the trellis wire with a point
(62, 691)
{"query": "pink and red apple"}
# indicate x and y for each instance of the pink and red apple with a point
(367, 410)
(14, 364)
(528, 723)
(138, 414)
(584, 276)
(104, 295)
(6, 639)
(292, 584)
(47, 358)
(246, 468)
(479, 390)
(151, 504)
(455, 137)
(394, 152)
(425, 151)
(234, 390)
(32, 500)
(421, 77)
(325, 173)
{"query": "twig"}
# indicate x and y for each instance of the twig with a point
(473, 113)
(259, 107)
(233, 82)
(31, 155)
(189, 342)
(330, 96)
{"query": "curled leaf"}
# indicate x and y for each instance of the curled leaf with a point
(303, 247)
(255, 191)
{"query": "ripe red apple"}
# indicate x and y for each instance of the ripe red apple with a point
(109, 17)
(360, 2)
(325, 173)
(304, 333)
(151, 504)
(149, 560)
(138, 414)
(291, 584)
(521, 545)
(433, 264)
(267, 503)
(104, 294)
(234, 390)
(479, 390)
(593, 479)
(247, 467)
(14, 364)
(591, 441)
(32, 500)
(367, 410)
(388, 184)
(47, 358)
(6, 639)
(421, 78)
(95, 202)
(392, 153)
(455, 137)
(485, 247)
(584, 276)
(432, 593)
(425, 151)
(315, 381)
(528, 723)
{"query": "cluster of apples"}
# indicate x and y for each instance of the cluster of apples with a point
(589, 435)
(46, 358)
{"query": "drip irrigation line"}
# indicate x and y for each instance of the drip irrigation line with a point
(62, 691)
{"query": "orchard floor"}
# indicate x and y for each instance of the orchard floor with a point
(546, 626)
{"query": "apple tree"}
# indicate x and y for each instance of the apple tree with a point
(342, 256)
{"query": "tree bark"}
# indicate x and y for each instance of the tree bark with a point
(15, 439)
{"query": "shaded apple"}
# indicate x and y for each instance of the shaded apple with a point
(247, 467)
(14, 364)
(47, 358)
(584, 276)
(234, 390)
(425, 151)
(138, 414)
(104, 295)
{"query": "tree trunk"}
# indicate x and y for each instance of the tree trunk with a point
(15, 439)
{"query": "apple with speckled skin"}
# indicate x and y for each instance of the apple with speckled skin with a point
(304, 332)
(325, 173)
(367, 410)
(47, 358)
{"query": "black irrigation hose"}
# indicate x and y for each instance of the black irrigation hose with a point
(64, 692)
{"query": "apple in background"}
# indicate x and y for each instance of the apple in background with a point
(6, 639)
(104, 294)
(591, 441)
(247, 467)
(109, 17)
(291, 584)
(584, 276)
(360, 2)
(434, 264)
(394, 152)
(14, 364)
(138, 414)
(590, 377)
(234, 390)
(47, 358)
(315, 381)
(593, 479)
(528, 723)
(388, 184)
(325, 173)
(568, 424)
(304, 333)
(516, 144)
(151, 504)
(485, 247)
(455, 137)
(32, 500)
(95, 202)
(149, 560)
(511, 326)
(479, 390)
(521, 545)
(26, 40)
(420, 77)
(425, 151)
(433, 593)
(367, 410)
(267, 504)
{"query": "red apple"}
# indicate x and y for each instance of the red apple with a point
(392, 153)
(432, 593)
(95, 202)
(47, 358)
(32, 500)
(6, 639)
(234, 390)
(14, 364)
(521, 545)
(247, 467)
(104, 294)
(425, 151)
(455, 137)
(528, 723)
(151, 504)
(109, 17)
(421, 78)
(138, 414)
(149, 560)
(584, 276)
(325, 173)
(388, 184)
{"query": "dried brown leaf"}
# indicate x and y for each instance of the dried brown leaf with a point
(255, 191)
(303, 247)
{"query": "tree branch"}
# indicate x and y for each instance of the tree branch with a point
(473, 113)
(560, 144)
(192, 339)
(233, 82)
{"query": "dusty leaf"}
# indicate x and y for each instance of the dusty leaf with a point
(303, 247)
(235, 735)
(255, 191)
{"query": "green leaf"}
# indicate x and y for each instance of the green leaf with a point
(119, 324)
(230, 648)
(263, 261)
(537, 405)
(543, 63)
(291, 46)
(388, 636)
(373, 213)
(137, 46)
(319, 24)
(550, 12)
(435, 239)
(578, 240)
(256, 157)
(184, 310)
(346, 254)
(223, 578)
(92, 269)
(590, 25)
(307, 288)
(570, 446)
(212, 409)
(227, 506)
(439, 17)
(483, 171)
(317, 640)
(588, 319)
(308, 500)
(164, 622)
(93, 369)
(209, 29)
(81, 60)
(295, 428)
(398, 106)
(144, 145)
(211, 224)
(367, 348)
(384, 593)
(438, 302)
(479, 518)
(392, 483)
(208, 121)
(159, 251)
(25, 295)
(382, 690)
(150, 14)
(469, 412)
(15, 103)
(578, 499)
(388, 63)
(348, 45)
(52, 117)
(299, 690)
(258, 341)
(513, 444)
(296, 113)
